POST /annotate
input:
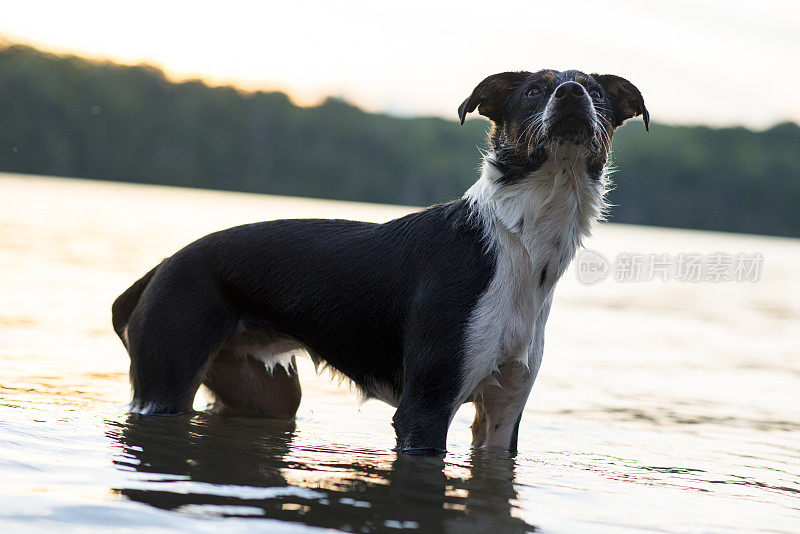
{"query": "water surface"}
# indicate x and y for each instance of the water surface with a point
(661, 406)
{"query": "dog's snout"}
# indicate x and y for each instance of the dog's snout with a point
(569, 91)
(569, 113)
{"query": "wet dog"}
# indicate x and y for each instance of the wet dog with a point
(441, 307)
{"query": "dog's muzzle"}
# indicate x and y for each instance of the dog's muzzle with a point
(569, 114)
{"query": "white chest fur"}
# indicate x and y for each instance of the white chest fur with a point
(535, 226)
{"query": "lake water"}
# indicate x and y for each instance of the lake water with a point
(661, 406)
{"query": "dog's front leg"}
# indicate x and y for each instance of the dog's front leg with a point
(421, 427)
(498, 410)
(431, 391)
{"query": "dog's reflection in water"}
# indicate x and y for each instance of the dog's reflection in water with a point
(229, 467)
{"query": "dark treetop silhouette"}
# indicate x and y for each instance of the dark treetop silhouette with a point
(67, 116)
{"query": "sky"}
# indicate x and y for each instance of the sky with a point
(696, 62)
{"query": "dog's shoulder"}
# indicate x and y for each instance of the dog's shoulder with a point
(450, 220)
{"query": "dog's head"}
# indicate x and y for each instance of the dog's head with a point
(534, 112)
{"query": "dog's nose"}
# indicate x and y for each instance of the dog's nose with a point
(569, 91)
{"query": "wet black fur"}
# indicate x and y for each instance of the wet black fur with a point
(381, 303)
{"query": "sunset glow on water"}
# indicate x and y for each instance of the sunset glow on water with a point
(661, 405)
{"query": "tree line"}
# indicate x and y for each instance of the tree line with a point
(68, 116)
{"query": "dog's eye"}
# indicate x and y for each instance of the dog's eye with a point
(536, 90)
(595, 94)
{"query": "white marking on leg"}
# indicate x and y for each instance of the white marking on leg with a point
(502, 403)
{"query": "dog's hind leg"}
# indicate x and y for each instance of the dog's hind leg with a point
(171, 337)
(241, 384)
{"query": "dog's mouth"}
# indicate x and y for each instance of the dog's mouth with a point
(571, 128)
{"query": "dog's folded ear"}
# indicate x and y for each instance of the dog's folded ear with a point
(625, 97)
(489, 95)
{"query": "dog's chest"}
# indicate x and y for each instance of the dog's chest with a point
(535, 227)
(527, 272)
(504, 322)
(515, 296)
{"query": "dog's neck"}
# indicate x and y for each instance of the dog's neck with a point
(550, 203)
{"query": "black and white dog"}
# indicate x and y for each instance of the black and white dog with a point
(426, 312)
